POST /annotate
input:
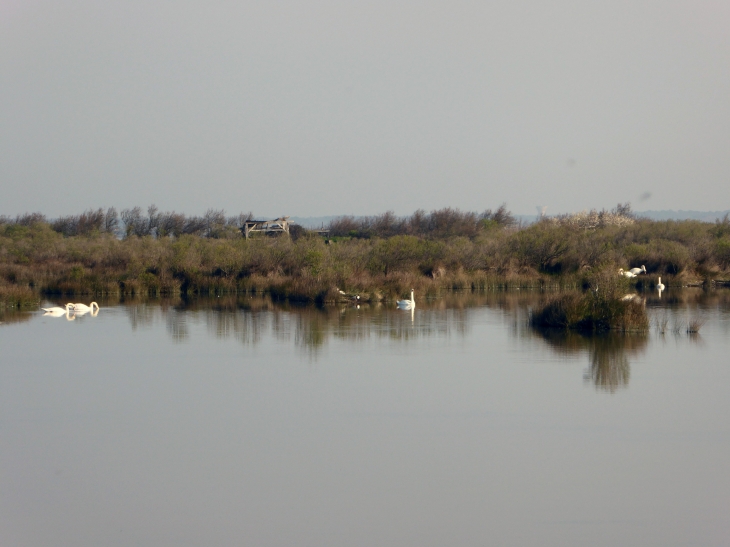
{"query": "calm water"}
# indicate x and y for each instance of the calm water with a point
(242, 423)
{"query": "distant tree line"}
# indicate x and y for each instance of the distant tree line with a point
(133, 222)
(439, 224)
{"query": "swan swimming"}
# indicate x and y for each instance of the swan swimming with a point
(407, 304)
(56, 311)
(660, 286)
(85, 308)
(637, 271)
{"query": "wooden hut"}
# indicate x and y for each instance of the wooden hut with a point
(275, 226)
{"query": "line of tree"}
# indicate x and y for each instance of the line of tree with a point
(133, 222)
(439, 224)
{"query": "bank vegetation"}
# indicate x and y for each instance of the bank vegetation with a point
(102, 252)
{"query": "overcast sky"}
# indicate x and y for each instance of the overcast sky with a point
(310, 108)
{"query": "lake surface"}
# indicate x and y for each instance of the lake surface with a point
(237, 422)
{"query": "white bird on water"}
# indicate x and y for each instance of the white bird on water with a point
(660, 285)
(56, 311)
(637, 271)
(407, 304)
(625, 273)
(84, 308)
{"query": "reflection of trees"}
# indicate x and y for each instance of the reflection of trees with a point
(247, 327)
(609, 364)
(6, 318)
(608, 353)
(177, 325)
(141, 315)
(248, 319)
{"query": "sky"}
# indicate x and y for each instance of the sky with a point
(312, 108)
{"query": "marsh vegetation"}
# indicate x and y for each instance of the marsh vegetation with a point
(103, 252)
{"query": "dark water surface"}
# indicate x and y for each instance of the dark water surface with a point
(231, 422)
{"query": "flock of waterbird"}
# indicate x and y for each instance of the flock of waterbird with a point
(71, 311)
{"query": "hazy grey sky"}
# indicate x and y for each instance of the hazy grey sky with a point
(314, 108)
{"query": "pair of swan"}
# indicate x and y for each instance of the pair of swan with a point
(407, 304)
(78, 309)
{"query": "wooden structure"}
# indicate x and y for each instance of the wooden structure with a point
(275, 226)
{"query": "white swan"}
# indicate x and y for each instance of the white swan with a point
(637, 271)
(660, 285)
(84, 308)
(407, 304)
(56, 311)
(635, 298)
(626, 274)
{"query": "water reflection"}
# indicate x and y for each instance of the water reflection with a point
(249, 320)
(12, 317)
(608, 354)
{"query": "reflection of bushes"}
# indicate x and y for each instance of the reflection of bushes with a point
(608, 353)
(609, 365)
